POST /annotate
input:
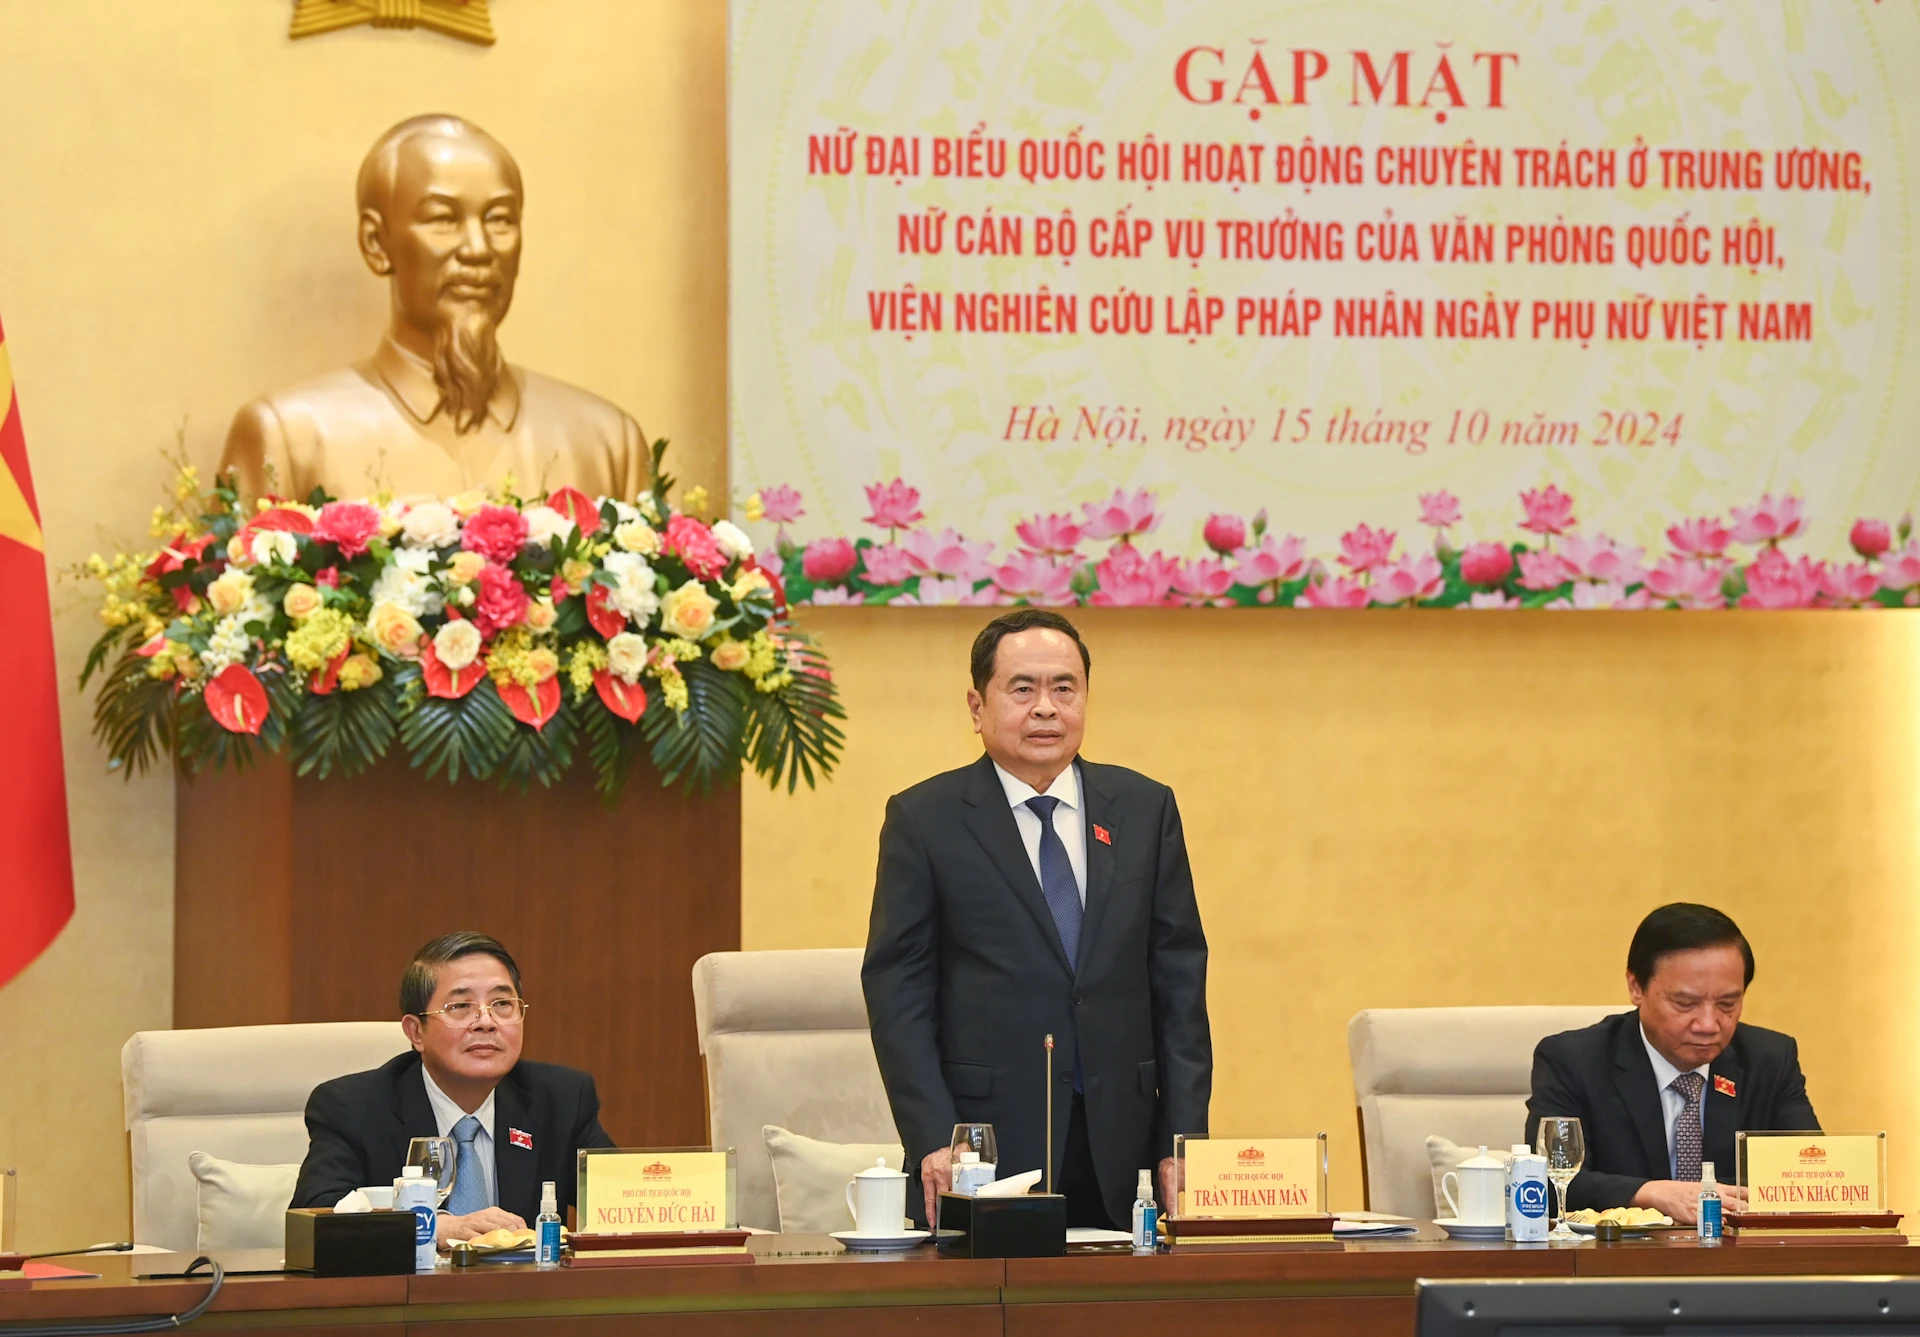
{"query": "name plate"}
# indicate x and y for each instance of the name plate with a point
(1813, 1172)
(627, 1192)
(1252, 1177)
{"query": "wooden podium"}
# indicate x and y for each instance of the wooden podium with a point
(302, 900)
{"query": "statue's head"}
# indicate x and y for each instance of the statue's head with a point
(440, 217)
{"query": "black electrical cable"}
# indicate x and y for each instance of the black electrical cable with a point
(157, 1323)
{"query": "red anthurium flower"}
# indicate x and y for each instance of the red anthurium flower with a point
(444, 682)
(328, 678)
(281, 518)
(533, 705)
(628, 702)
(606, 619)
(236, 700)
(578, 507)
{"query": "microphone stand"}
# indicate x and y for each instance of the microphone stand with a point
(1049, 1113)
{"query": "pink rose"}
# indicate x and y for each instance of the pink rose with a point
(1601, 559)
(1768, 521)
(1870, 538)
(887, 564)
(1438, 510)
(349, 524)
(1130, 579)
(1686, 583)
(1363, 548)
(948, 553)
(1225, 533)
(780, 504)
(1703, 536)
(1056, 534)
(1543, 571)
(495, 532)
(1035, 578)
(1408, 580)
(1549, 510)
(894, 505)
(1848, 585)
(1902, 571)
(501, 602)
(1121, 516)
(693, 543)
(1486, 564)
(1339, 592)
(1275, 561)
(1776, 581)
(828, 561)
(1203, 579)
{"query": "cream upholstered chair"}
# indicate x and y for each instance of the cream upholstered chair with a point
(236, 1092)
(784, 1039)
(1463, 1073)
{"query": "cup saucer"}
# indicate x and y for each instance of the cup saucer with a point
(1461, 1230)
(905, 1239)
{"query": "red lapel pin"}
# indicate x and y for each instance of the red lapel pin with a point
(517, 1138)
(1724, 1086)
(1100, 834)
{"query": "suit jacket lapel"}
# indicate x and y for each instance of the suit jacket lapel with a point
(991, 821)
(1633, 1078)
(1720, 1113)
(515, 1169)
(1097, 808)
(411, 1109)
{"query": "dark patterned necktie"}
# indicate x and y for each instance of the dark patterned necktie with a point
(1057, 884)
(1686, 1129)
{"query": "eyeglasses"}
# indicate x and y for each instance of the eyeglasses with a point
(504, 1011)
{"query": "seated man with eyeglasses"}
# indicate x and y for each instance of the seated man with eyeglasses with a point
(515, 1123)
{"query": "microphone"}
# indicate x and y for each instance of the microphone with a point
(1049, 1112)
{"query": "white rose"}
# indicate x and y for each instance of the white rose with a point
(274, 545)
(431, 524)
(457, 645)
(636, 536)
(624, 511)
(417, 560)
(544, 525)
(634, 595)
(732, 539)
(627, 657)
(412, 589)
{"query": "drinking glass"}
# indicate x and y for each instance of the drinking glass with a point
(975, 1137)
(1564, 1145)
(438, 1160)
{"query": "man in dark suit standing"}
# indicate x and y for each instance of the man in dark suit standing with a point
(515, 1123)
(1037, 893)
(1662, 1088)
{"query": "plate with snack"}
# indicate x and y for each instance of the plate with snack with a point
(1639, 1221)
(496, 1246)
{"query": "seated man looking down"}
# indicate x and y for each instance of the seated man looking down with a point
(515, 1123)
(1662, 1088)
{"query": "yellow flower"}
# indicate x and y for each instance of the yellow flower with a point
(748, 583)
(583, 661)
(637, 536)
(576, 572)
(688, 611)
(359, 670)
(466, 503)
(694, 501)
(516, 659)
(542, 662)
(230, 592)
(756, 509)
(395, 630)
(186, 483)
(465, 568)
(679, 650)
(313, 644)
(541, 614)
(301, 600)
(762, 656)
(237, 551)
(731, 656)
(673, 689)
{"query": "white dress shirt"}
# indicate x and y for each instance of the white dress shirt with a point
(446, 1114)
(1069, 820)
(1673, 1104)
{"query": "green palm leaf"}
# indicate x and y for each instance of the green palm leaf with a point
(702, 743)
(446, 739)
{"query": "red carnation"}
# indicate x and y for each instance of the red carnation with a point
(495, 532)
(693, 543)
(501, 602)
(349, 524)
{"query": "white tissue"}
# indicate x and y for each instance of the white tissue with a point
(1008, 1188)
(355, 1201)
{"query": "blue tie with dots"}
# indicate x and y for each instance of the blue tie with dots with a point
(1057, 884)
(470, 1181)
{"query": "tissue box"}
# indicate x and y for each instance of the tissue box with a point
(360, 1244)
(1032, 1225)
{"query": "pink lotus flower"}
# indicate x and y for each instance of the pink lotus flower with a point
(1130, 579)
(828, 561)
(1702, 536)
(894, 505)
(1225, 533)
(1275, 561)
(1848, 585)
(1056, 534)
(1203, 579)
(835, 595)
(1486, 564)
(1768, 521)
(1438, 510)
(1363, 548)
(1870, 538)
(1588, 596)
(1339, 592)
(1408, 580)
(352, 525)
(937, 592)
(1601, 559)
(1491, 599)
(1543, 571)
(780, 504)
(1902, 570)
(887, 564)
(1776, 581)
(1036, 579)
(1549, 510)
(1686, 583)
(1121, 516)
(949, 554)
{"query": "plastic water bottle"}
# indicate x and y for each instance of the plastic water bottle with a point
(970, 1172)
(1709, 1215)
(414, 1192)
(546, 1228)
(1146, 1216)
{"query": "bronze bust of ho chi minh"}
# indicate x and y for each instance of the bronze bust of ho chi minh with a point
(437, 410)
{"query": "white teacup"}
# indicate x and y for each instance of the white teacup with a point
(1482, 1185)
(379, 1197)
(877, 1197)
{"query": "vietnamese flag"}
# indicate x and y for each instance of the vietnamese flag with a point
(36, 875)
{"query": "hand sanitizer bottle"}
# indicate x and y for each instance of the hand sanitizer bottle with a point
(1146, 1216)
(1709, 1205)
(547, 1229)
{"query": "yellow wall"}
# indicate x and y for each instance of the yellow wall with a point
(1379, 806)
(177, 236)
(1392, 809)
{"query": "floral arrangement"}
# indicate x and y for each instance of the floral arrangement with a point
(486, 635)
(1711, 562)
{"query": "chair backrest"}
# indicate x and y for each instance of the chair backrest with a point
(236, 1092)
(784, 1038)
(1463, 1073)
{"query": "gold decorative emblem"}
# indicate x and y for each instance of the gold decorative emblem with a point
(465, 19)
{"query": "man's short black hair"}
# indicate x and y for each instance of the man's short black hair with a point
(1682, 927)
(416, 984)
(987, 644)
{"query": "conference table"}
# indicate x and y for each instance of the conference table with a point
(797, 1286)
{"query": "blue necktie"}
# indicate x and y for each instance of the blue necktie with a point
(1057, 884)
(470, 1181)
